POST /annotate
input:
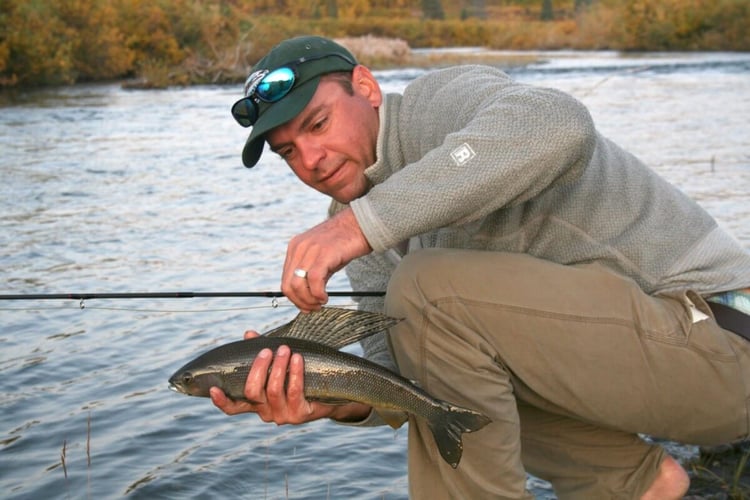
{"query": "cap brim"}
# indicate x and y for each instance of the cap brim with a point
(274, 115)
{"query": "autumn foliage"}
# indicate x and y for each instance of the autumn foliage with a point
(163, 42)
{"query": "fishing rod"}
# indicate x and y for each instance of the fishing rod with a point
(168, 295)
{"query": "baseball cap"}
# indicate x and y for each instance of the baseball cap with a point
(308, 58)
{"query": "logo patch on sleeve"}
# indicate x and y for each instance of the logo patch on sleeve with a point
(462, 154)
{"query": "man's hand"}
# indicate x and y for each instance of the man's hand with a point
(321, 251)
(265, 387)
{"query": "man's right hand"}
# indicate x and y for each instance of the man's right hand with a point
(265, 387)
(320, 252)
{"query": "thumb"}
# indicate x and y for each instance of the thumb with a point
(251, 334)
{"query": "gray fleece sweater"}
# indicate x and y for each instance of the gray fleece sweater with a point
(468, 158)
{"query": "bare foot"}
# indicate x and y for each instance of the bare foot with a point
(671, 484)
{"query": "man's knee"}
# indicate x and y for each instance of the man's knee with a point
(431, 266)
(411, 278)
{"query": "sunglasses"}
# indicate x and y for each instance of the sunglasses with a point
(270, 86)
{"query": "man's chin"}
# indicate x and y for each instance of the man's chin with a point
(345, 195)
(344, 200)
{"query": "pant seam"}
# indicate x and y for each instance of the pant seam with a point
(650, 334)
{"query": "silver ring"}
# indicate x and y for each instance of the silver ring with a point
(300, 273)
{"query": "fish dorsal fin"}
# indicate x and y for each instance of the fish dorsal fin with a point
(333, 326)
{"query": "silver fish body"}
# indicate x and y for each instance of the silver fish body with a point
(334, 377)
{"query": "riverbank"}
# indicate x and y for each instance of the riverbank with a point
(183, 42)
(720, 473)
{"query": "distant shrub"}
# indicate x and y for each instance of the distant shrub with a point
(686, 25)
(37, 47)
(727, 24)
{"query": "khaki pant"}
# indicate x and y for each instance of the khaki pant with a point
(570, 363)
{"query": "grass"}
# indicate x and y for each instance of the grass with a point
(721, 473)
(63, 459)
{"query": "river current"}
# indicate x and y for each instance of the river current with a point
(110, 190)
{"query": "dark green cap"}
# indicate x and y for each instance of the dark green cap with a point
(309, 56)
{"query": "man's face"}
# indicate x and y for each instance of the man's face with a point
(333, 140)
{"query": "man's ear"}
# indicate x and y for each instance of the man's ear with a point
(365, 84)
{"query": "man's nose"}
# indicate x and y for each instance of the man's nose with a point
(310, 154)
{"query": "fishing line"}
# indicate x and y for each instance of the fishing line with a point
(169, 295)
(148, 310)
(82, 306)
(83, 297)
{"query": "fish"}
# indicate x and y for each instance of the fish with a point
(333, 376)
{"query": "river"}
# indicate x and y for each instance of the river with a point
(111, 190)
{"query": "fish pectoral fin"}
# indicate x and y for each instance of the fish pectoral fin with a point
(394, 418)
(333, 326)
(331, 401)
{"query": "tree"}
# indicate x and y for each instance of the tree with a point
(332, 9)
(352, 9)
(476, 8)
(432, 9)
(547, 13)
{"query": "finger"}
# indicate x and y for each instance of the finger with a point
(300, 408)
(299, 268)
(276, 384)
(317, 278)
(218, 397)
(250, 334)
(308, 293)
(228, 406)
(256, 379)
(297, 290)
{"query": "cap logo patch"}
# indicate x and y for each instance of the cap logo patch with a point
(462, 154)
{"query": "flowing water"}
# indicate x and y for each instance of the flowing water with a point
(111, 190)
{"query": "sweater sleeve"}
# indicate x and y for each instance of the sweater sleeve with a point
(473, 141)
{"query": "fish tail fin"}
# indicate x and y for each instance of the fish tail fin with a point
(448, 427)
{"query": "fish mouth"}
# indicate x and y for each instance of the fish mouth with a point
(175, 388)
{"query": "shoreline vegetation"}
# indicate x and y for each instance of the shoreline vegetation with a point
(161, 43)
(720, 473)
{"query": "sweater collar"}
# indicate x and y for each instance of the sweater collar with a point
(388, 149)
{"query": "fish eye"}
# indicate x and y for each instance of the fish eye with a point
(187, 378)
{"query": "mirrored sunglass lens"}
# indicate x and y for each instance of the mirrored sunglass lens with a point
(275, 85)
(244, 112)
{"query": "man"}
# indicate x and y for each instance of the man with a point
(546, 277)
